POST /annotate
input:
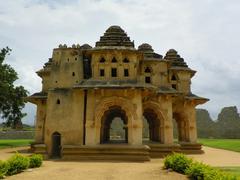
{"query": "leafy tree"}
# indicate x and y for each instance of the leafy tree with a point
(11, 97)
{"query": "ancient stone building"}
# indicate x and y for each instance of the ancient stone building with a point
(84, 90)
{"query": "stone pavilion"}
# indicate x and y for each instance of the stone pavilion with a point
(85, 90)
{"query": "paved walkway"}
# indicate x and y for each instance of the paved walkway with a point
(117, 170)
(218, 157)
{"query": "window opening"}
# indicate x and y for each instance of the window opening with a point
(114, 60)
(147, 70)
(114, 72)
(147, 79)
(126, 73)
(174, 86)
(102, 73)
(126, 60)
(102, 60)
(58, 101)
(174, 78)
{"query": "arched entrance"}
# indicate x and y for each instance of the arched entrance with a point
(114, 126)
(56, 145)
(153, 124)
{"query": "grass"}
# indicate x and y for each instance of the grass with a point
(232, 170)
(227, 144)
(9, 143)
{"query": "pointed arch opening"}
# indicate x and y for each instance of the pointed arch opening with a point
(151, 126)
(56, 145)
(148, 70)
(114, 126)
(114, 60)
(102, 60)
(125, 60)
(173, 78)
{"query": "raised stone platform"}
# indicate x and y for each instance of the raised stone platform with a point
(191, 148)
(106, 152)
(120, 152)
(39, 149)
(162, 150)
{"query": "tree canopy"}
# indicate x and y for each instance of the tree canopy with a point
(11, 97)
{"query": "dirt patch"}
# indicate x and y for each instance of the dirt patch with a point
(218, 157)
(117, 170)
(98, 170)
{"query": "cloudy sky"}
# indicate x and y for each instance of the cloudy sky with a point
(205, 33)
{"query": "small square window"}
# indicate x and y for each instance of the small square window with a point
(147, 79)
(126, 73)
(102, 73)
(174, 86)
(114, 72)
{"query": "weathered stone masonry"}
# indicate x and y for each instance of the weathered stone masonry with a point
(84, 89)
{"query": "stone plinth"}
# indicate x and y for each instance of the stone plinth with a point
(106, 152)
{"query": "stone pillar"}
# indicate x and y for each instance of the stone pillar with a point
(167, 125)
(40, 121)
(135, 125)
(90, 134)
(192, 129)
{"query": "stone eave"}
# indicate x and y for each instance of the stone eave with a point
(153, 59)
(178, 68)
(42, 72)
(197, 99)
(167, 90)
(91, 84)
(35, 97)
(114, 86)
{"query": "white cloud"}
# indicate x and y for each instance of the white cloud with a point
(204, 32)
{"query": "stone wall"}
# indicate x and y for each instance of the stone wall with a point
(17, 134)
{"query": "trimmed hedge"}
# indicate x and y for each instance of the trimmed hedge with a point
(17, 163)
(36, 160)
(177, 162)
(4, 166)
(195, 170)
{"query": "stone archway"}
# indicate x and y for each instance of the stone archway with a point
(153, 124)
(111, 107)
(107, 122)
(155, 120)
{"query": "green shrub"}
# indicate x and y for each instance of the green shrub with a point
(200, 171)
(177, 162)
(36, 160)
(4, 166)
(17, 163)
(195, 170)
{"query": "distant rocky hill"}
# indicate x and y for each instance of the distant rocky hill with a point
(227, 124)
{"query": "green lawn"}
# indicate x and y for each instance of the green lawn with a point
(232, 170)
(7, 143)
(228, 144)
